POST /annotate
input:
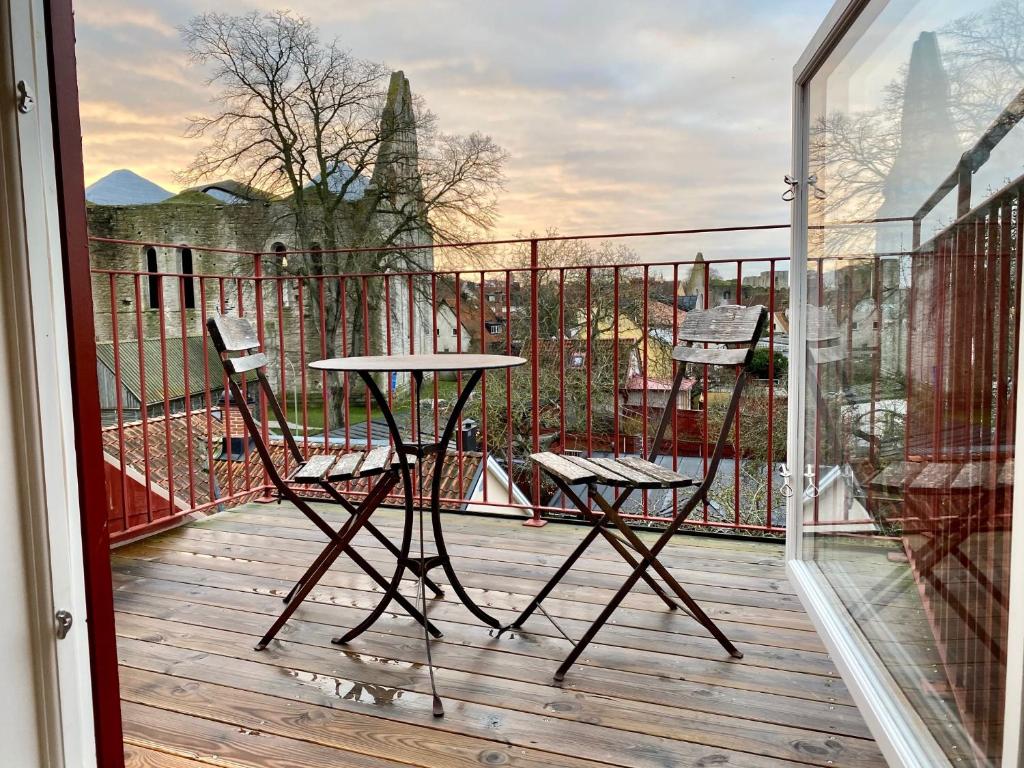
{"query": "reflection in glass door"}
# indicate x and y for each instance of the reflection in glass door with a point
(913, 296)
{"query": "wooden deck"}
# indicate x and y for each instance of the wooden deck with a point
(653, 691)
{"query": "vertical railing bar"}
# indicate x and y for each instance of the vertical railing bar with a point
(706, 276)
(346, 391)
(615, 354)
(484, 349)
(435, 335)
(365, 309)
(119, 400)
(561, 357)
(227, 397)
(737, 448)
(386, 279)
(258, 281)
(208, 395)
(282, 377)
(770, 448)
(144, 394)
(673, 370)
(458, 376)
(535, 370)
(325, 399)
(165, 380)
(645, 325)
(186, 374)
(510, 457)
(300, 299)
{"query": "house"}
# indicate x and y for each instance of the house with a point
(463, 324)
(119, 371)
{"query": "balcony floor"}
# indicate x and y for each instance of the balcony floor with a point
(654, 691)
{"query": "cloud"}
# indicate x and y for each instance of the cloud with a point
(617, 116)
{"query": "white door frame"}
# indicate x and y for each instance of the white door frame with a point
(901, 734)
(37, 324)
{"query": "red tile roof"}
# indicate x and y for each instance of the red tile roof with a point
(240, 480)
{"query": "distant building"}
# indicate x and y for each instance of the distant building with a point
(181, 282)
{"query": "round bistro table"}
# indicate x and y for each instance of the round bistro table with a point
(416, 365)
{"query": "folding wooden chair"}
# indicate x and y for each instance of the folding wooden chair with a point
(737, 329)
(238, 335)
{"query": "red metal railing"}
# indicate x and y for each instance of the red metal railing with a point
(596, 332)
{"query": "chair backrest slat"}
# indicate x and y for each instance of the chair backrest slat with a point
(248, 362)
(238, 334)
(699, 355)
(233, 334)
(723, 325)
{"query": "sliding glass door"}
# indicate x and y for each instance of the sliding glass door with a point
(911, 164)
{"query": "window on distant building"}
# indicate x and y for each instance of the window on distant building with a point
(189, 285)
(153, 280)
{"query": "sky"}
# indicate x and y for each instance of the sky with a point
(617, 116)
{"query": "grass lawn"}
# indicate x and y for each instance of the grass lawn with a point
(446, 390)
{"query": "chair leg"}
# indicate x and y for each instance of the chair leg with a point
(376, 533)
(626, 555)
(695, 610)
(648, 559)
(553, 581)
(391, 591)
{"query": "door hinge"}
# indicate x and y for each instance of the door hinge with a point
(64, 620)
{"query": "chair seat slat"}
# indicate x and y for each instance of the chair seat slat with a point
(636, 478)
(663, 474)
(601, 471)
(559, 466)
(347, 466)
(936, 476)
(315, 469)
(897, 476)
(376, 461)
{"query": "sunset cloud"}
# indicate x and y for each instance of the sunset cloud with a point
(616, 116)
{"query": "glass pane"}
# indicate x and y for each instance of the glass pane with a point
(914, 293)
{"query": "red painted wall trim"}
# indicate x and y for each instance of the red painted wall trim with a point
(60, 35)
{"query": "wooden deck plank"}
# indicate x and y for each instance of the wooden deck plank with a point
(653, 690)
(702, 666)
(217, 548)
(768, 569)
(213, 609)
(590, 727)
(496, 563)
(773, 657)
(690, 573)
(136, 756)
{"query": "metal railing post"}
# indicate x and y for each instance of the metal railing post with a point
(257, 276)
(536, 520)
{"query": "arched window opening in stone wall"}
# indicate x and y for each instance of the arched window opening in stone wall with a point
(189, 285)
(153, 280)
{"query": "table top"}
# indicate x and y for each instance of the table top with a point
(453, 361)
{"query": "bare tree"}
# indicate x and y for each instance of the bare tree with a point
(342, 142)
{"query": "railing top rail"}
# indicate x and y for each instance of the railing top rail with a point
(527, 269)
(443, 245)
